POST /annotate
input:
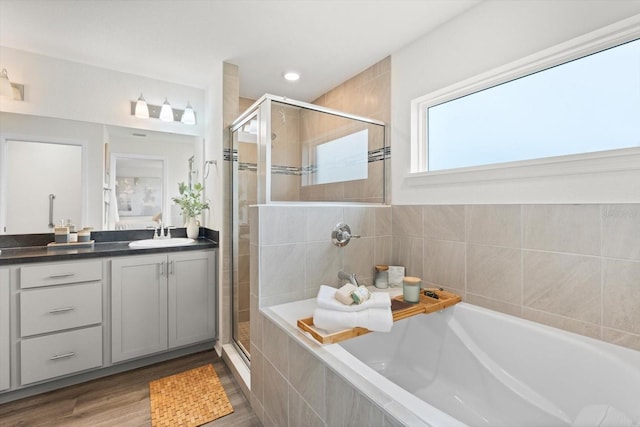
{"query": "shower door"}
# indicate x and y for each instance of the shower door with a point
(244, 159)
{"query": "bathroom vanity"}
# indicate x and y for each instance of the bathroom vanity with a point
(71, 315)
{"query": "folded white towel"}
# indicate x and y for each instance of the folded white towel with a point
(326, 299)
(374, 319)
(602, 416)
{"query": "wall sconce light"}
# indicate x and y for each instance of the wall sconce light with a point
(141, 109)
(164, 112)
(188, 116)
(10, 90)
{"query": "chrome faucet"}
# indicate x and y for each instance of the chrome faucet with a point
(161, 234)
(350, 277)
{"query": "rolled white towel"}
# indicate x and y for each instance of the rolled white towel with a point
(374, 319)
(602, 416)
(326, 299)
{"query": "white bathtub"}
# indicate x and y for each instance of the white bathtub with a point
(473, 366)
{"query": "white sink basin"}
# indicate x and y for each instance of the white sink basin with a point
(161, 243)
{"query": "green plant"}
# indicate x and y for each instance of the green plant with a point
(190, 200)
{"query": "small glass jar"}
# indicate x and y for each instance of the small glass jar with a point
(411, 289)
(382, 277)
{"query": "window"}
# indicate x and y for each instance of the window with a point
(586, 105)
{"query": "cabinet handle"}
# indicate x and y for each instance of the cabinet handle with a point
(170, 267)
(162, 268)
(61, 310)
(58, 276)
(62, 356)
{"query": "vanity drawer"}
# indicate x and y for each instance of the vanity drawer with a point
(51, 356)
(33, 276)
(62, 307)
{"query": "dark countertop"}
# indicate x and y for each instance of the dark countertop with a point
(101, 248)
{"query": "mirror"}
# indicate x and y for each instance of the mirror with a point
(144, 157)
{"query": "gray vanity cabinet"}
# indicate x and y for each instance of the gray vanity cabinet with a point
(5, 372)
(160, 302)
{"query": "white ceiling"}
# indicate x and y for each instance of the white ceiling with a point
(327, 41)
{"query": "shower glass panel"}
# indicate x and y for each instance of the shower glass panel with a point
(244, 185)
(290, 151)
(321, 155)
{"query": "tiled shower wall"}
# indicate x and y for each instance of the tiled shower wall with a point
(574, 267)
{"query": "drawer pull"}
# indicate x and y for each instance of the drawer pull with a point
(62, 356)
(61, 275)
(61, 310)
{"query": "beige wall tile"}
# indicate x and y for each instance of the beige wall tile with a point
(409, 252)
(562, 228)
(583, 328)
(621, 338)
(361, 220)
(492, 304)
(282, 224)
(407, 221)
(383, 250)
(323, 263)
(621, 306)
(321, 221)
(276, 396)
(306, 375)
(444, 263)
(282, 269)
(444, 222)
(497, 225)
(358, 258)
(383, 221)
(276, 347)
(621, 231)
(568, 285)
(494, 272)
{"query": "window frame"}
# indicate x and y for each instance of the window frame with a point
(595, 162)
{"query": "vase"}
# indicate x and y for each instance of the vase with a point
(193, 228)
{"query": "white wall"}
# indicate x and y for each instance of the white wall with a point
(488, 36)
(70, 90)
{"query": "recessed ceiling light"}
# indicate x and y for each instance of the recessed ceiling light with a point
(292, 76)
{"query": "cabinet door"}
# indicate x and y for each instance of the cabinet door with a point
(138, 306)
(4, 329)
(192, 297)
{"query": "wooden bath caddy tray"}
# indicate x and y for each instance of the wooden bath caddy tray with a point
(399, 308)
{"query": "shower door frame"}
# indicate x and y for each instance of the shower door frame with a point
(261, 109)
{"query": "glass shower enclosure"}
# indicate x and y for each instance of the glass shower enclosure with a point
(290, 151)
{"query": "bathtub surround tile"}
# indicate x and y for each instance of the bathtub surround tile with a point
(282, 224)
(276, 346)
(561, 322)
(493, 304)
(494, 272)
(407, 221)
(383, 253)
(621, 338)
(276, 396)
(568, 285)
(497, 225)
(409, 252)
(257, 374)
(255, 322)
(358, 258)
(562, 228)
(621, 231)
(621, 305)
(321, 221)
(282, 269)
(348, 407)
(383, 221)
(307, 377)
(300, 413)
(323, 261)
(283, 298)
(361, 220)
(444, 264)
(444, 222)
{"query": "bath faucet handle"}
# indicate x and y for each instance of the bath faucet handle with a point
(341, 235)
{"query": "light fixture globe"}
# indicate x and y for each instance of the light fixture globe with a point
(142, 109)
(166, 112)
(188, 116)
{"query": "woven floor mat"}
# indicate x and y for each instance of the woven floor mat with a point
(188, 399)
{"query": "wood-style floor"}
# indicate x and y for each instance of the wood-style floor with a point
(121, 399)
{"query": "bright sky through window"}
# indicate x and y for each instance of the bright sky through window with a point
(586, 105)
